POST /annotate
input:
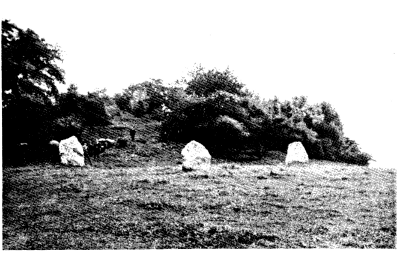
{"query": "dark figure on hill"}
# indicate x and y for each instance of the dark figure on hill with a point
(133, 133)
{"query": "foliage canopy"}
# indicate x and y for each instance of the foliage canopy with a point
(29, 66)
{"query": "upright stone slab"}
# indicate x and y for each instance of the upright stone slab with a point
(195, 157)
(71, 152)
(296, 153)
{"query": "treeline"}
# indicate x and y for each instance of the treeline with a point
(33, 111)
(216, 110)
(211, 106)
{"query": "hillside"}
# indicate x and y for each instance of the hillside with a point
(138, 198)
(148, 150)
(320, 205)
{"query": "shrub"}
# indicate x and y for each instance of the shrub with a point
(221, 122)
(89, 109)
(204, 83)
(113, 111)
(140, 108)
(314, 149)
(95, 113)
(227, 137)
(65, 127)
(123, 102)
(360, 158)
(122, 142)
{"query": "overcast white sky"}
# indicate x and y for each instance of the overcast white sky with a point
(342, 52)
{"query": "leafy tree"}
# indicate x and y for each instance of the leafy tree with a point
(101, 95)
(89, 110)
(204, 83)
(28, 66)
(176, 98)
(94, 110)
(286, 109)
(258, 106)
(72, 90)
(145, 97)
(331, 116)
(300, 102)
(123, 102)
(29, 74)
(155, 94)
(29, 77)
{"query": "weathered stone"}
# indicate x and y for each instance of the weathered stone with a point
(296, 153)
(195, 157)
(71, 152)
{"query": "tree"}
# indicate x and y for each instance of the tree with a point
(206, 83)
(146, 97)
(102, 95)
(29, 77)
(122, 101)
(28, 66)
(331, 117)
(29, 74)
(89, 110)
(72, 90)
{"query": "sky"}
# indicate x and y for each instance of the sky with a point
(342, 52)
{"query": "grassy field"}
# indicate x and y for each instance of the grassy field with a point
(318, 205)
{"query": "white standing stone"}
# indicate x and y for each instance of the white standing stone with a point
(71, 152)
(296, 153)
(195, 157)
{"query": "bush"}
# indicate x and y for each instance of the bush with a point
(139, 109)
(144, 98)
(113, 111)
(95, 113)
(207, 83)
(361, 158)
(90, 110)
(122, 142)
(221, 122)
(26, 122)
(123, 102)
(314, 149)
(227, 137)
(188, 123)
(65, 127)
(318, 127)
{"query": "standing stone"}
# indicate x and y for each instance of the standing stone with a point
(195, 157)
(71, 152)
(296, 153)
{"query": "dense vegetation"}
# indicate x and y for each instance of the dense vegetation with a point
(230, 118)
(138, 197)
(210, 106)
(34, 112)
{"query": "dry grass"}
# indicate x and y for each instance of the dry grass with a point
(320, 205)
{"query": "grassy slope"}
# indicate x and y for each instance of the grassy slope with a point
(139, 198)
(237, 206)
